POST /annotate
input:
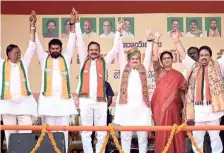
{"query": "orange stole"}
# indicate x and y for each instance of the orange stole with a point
(85, 75)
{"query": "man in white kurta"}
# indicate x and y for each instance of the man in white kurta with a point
(136, 111)
(19, 108)
(54, 108)
(203, 113)
(92, 111)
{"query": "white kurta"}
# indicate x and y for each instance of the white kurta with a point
(54, 105)
(93, 112)
(18, 104)
(126, 34)
(110, 35)
(135, 112)
(189, 34)
(89, 34)
(204, 112)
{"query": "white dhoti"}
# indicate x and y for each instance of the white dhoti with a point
(16, 120)
(92, 113)
(18, 111)
(134, 113)
(59, 120)
(57, 111)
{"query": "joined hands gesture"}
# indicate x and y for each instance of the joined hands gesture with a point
(74, 16)
(33, 18)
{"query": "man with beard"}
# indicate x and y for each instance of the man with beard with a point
(204, 99)
(56, 102)
(88, 27)
(194, 31)
(18, 105)
(175, 28)
(213, 31)
(51, 26)
(91, 86)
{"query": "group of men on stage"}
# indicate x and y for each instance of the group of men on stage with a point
(195, 96)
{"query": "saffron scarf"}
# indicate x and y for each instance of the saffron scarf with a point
(215, 84)
(124, 80)
(85, 75)
(6, 73)
(202, 77)
(213, 33)
(66, 94)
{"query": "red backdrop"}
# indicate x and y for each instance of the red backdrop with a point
(115, 7)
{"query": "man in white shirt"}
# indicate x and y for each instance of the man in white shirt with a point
(88, 27)
(205, 98)
(17, 102)
(194, 31)
(91, 86)
(56, 103)
(126, 29)
(107, 28)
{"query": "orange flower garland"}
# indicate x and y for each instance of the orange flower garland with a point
(105, 143)
(43, 133)
(112, 132)
(50, 135)
(172, 133)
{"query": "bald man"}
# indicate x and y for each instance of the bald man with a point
(88, 27)
(107, 28)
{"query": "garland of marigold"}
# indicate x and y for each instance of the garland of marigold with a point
(193, 142)
(112, 132)
(172, 133)
(43, 133)
(50, 135)
(105, 143)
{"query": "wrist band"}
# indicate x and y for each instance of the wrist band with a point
(150, 40)
(71, 23)
(33, 28)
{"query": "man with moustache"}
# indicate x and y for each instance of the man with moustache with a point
(213, 31)
(51, 26)
(204, 99)
(107, 28)
(18, 105)
(175, 28)
(194, 31)
(126, 29)
(56, 102)
(88, 27)
(192, 52)
(91, 86)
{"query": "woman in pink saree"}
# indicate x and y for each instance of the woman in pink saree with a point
(166, 101)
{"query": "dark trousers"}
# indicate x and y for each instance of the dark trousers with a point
(207, 144)
(109, 120)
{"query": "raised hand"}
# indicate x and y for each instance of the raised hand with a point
(74, 16)
(149, 34)
(33, 18)
(120, 24)
(157, 34)
(175, 36)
